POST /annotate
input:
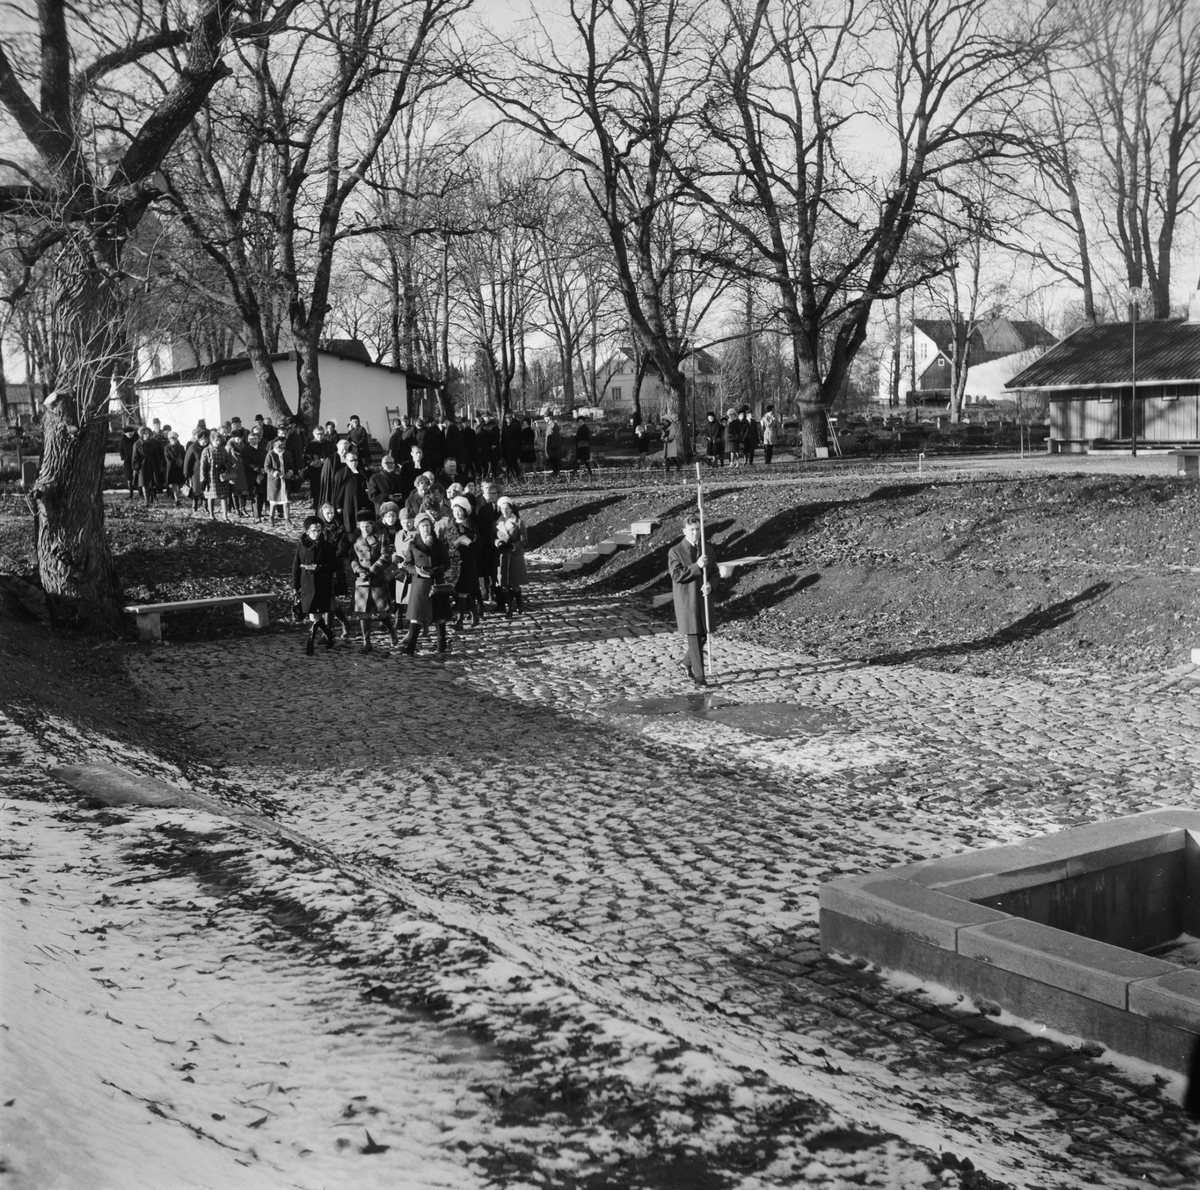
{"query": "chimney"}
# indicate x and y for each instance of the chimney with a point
(1194, 307)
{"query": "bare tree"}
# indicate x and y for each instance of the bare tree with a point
(613, 88)
(1137, 71)
(324, 100)
(80, 201)
(799, 88)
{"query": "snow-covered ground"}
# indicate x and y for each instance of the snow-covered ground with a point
(503, 929)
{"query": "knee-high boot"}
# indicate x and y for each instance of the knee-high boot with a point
(366, 634)
(410, 641)
(312, 636)
(442, 646)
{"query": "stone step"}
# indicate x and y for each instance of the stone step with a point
(571, 565)
(589, 555)
(643, 528)
(661, 600)
(725, 569)
(608, 547)
(625, 539)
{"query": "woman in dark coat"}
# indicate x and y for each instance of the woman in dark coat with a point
(173, 456)
(254, 459)
(335, 535)
(191, 468)
(430, 597)
(313, 571)
(714, 440)
(733, 439)
(583, 447)
(749, 438)
(528, 443)
(511, 536)
(464, 537)
(129, 439)
(148, 464)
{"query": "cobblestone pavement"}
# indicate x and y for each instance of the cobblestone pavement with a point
(662, 859)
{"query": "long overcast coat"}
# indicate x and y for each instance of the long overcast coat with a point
(686, 580)
(314, 572)
(423, 606)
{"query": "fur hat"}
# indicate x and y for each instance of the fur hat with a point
(309, 521)
(364, 514)
(389, 506)
(427, 517)
(461, 502)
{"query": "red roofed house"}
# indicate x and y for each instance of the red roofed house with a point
(1089, 380)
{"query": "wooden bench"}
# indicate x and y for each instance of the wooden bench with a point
(149, 615)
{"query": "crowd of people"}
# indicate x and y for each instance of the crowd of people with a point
(431, 557)
(261, 468)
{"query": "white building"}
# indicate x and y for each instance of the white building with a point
(351, 383)
(999, 349)
(618, 376)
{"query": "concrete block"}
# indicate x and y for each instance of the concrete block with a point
(1196, 656)
(642, 528)
(1173, 998)
(255, 614)
(661, 600)
(987, 861)
(625, 539)
(1176, 817)
(571, 565)
(149, 626)
(1141, 1037)
(607, 547)
(905, 907)
(589, 556)
(1087, 968)
(1076, 852)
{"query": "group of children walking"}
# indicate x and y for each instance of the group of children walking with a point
(433, 563)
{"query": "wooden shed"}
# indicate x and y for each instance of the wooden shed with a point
(1094, 398)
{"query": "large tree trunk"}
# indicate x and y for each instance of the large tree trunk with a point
(810, 407)
(74, 558)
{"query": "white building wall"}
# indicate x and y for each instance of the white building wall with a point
(182, 406)
(985, 382)
(347, 387)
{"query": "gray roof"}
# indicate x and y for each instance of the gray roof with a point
(1103, 355)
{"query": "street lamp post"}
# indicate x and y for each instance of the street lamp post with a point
(1135, 294)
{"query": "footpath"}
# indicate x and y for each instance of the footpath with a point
(539, 914)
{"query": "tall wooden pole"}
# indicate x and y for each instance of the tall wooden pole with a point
(704, 552)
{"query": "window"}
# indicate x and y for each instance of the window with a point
(1171, 392)
(616, 392)
(1107, 394)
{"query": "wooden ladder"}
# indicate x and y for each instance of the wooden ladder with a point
(833, 438)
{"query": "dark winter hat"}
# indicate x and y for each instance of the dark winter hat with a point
(389, 506)
(309, 521)
(364, 514)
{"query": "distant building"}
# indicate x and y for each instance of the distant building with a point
(617, 377)
(1089, 381)
(999, 349)
(351, 383)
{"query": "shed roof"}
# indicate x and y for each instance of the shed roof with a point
(338, 348)
(1103, 355)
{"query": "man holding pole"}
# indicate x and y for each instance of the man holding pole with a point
(688, 565)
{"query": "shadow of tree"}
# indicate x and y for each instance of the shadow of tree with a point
(758, 599)
(1026, 628)
(543, 532)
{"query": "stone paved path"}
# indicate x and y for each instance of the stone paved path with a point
(665, 865)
